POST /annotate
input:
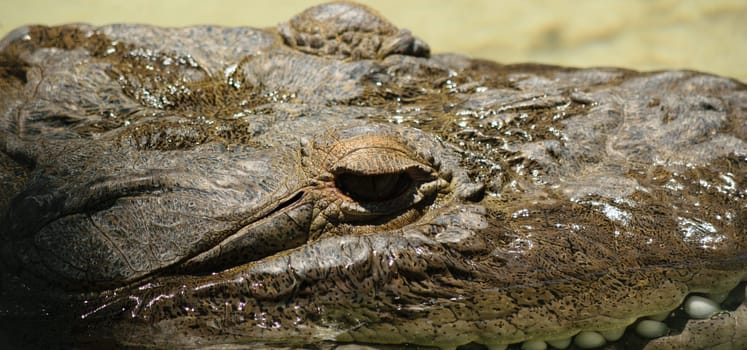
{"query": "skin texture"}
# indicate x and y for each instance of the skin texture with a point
(328, 181)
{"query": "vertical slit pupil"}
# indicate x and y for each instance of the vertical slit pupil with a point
(372, 188)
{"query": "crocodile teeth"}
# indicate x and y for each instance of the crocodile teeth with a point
(613, 334)
(560, 344)
(589, 340)
(651, 329)
(534, 345)
(660, 317)
(717, 297)
(699, 307)
(496, 346)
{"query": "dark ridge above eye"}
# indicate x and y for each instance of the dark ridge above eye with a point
(373, 188)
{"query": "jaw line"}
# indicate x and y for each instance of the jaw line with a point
(376, 258)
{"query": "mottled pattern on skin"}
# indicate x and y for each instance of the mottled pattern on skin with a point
(348, 31)
(208, 185)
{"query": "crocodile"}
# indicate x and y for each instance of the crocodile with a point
(330, 182)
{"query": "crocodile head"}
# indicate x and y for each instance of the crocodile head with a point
(329, 182)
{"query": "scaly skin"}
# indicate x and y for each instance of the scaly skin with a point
(209, 185)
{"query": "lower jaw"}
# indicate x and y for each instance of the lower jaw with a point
(671, 330)
(700, 315)
(695, 324)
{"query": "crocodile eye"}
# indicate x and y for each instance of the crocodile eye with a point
(373, 188)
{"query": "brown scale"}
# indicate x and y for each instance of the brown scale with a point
(373, 177)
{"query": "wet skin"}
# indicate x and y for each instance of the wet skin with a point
(329, 181)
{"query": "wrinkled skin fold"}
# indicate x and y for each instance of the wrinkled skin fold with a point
(330, 181)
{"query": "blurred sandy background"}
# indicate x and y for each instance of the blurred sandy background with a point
(709, 36)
